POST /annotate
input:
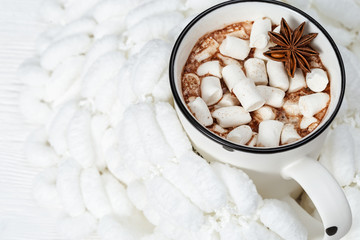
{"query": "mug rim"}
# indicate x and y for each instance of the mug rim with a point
(233, 146)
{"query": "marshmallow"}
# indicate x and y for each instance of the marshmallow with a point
(211, 91)
(253, 141)
(273, 96)
(289, 134)
(227, 60)
(259, 53)
(297, 82)
(291, 108)
(201, 111)
(259, 37)
(231, 116)
(191, 84)
(256, 71)
(277, 75)
(240, 135)
(211, 67)
(217, 128)
(232, 74)
(248, 95)
(313, 126)
(191, 99)
(269, 133)
(265, 113)
(211, 49)
(295, 120)
(311, 104)
(307, 121)
(235, 47)
(241, 33)
(317, 80)
(227, 100)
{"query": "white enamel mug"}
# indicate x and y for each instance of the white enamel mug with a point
(277, 172)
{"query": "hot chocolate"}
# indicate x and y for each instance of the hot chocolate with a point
(256, 83)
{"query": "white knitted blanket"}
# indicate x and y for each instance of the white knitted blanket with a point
(116, 161)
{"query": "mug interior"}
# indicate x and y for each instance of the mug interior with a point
(230, 12)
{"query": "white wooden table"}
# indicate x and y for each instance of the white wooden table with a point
(20, 217)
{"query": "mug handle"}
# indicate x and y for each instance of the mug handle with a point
(326, 194)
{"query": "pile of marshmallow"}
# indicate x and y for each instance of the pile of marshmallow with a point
(261, 90)
(114, 158)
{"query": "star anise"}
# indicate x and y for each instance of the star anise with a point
(292, 48)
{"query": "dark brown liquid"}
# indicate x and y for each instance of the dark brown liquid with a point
(191, 88)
